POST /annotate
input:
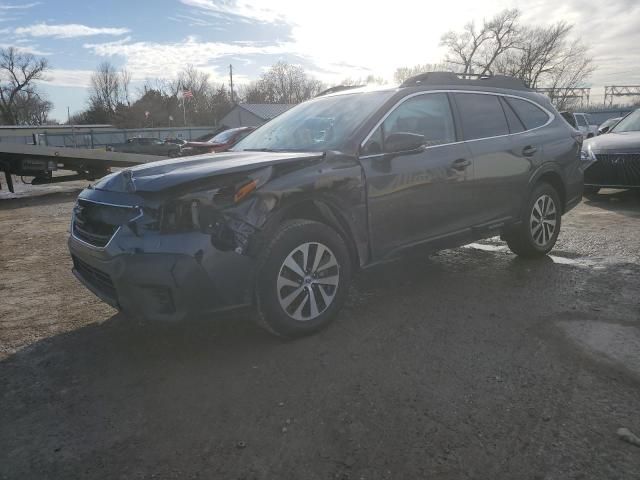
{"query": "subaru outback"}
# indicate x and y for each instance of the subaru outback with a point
(341, 182)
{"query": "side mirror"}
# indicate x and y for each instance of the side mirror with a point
(604, 130)
(403, 142)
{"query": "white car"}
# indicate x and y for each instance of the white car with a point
(581, 122)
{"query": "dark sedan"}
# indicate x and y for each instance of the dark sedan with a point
(615, 157)
(221, 142)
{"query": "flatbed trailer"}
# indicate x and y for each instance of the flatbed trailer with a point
(40, 162)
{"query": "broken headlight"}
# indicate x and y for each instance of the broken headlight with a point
(203, 210)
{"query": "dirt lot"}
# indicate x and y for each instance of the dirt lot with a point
(468, 364)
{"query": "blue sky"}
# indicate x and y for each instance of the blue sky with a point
(332, 39)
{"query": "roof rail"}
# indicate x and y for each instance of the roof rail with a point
(449, 78)
(338, 88)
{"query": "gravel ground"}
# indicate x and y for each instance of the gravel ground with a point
(471, 363)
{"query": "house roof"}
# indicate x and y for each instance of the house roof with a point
(266, 111)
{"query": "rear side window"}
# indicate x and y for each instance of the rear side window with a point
(515, 125)
(581, 121)
(481, 115)
(531, 116)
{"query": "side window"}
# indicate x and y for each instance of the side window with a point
(428, 115)
(374, 144)
(580, 120)
(531, 115)
(481, 115)
(515, 125)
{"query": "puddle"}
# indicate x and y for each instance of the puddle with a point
(576, 261)
(487, 248)
(618, 343)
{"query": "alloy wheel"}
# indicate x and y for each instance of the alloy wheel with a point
(543, 220)
(308, 281)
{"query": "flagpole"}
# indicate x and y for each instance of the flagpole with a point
(184, 111)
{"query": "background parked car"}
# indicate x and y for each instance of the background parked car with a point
(581, 122)
(219, 143)
(607, 125)
(615, 157)
(146, 146)
(176, 141)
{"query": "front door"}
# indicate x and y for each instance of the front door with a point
(419, 194)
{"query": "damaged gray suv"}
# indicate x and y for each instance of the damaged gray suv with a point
(338, 183)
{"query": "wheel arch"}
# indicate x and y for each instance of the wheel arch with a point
(325, 210)
(553, 177)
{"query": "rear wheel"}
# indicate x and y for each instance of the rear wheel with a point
(540, 224)
(303, 278)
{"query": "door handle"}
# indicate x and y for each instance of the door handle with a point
(460, 164)
(529, 151)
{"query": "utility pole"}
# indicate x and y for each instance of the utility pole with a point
(68, 116)
(231, 82)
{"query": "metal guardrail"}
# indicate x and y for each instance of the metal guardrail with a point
(80, 137)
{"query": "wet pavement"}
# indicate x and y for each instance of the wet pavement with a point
(470, 363)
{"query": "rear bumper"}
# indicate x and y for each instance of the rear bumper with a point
(163, 279)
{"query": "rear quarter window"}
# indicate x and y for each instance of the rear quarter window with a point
(531, 115)
(481, 115)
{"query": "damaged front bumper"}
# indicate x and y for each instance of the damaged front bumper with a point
(163, 276)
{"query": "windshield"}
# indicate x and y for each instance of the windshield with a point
(318, 125)
(630, 123)
(223, 136)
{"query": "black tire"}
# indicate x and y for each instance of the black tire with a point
(174, 153)
(591, 192)
(287, 241)
(521, 239)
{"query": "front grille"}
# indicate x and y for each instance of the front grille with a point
(100, 280)
(617, 169)
(96, 223)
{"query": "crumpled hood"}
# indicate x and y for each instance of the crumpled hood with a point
(625, 142)
(164, 174)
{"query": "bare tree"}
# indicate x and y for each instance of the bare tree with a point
(546, 57)
(574, 69)
(504, 36)
(106, 89)
(18, 73)
(286, 83)
(475, 49)
(125, 81)
(32, 109)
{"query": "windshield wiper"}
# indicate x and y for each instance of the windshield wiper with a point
(259, 150)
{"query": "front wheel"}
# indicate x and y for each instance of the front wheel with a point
(539, 227)
(303, 278)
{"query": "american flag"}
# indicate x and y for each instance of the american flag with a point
(187, 94)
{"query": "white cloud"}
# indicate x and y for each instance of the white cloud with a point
(23, 6)
(162, 60)
(355, 38)
(68, 78)
(25, 48)
(246, 9)
(69, 30)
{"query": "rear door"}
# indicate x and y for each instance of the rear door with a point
(501, 169)
(423, 193)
